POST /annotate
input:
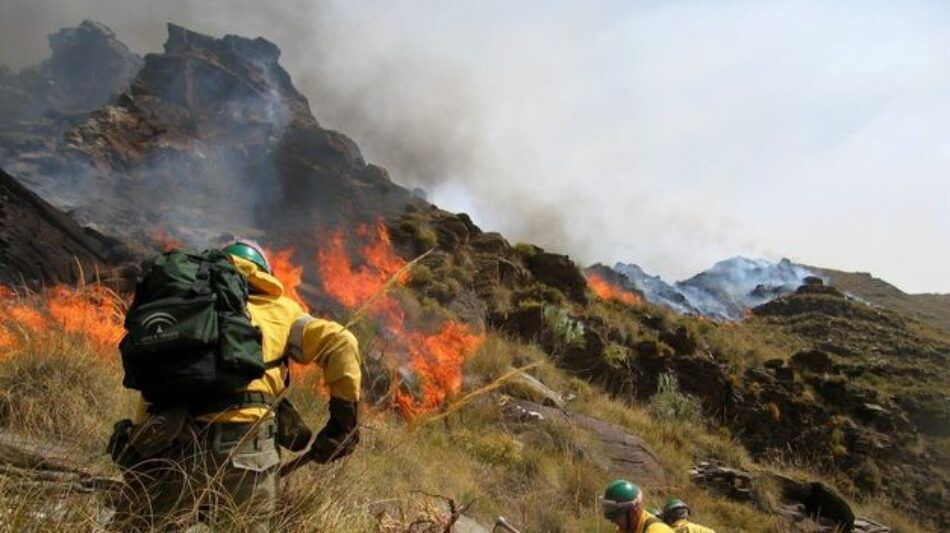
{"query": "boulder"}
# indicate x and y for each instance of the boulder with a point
(812, 361)
(560, 272)
(621, 454)
(527, 387)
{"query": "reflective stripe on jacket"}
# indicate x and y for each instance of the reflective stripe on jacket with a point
(287, 329)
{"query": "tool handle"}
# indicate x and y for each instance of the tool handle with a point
(500, 522)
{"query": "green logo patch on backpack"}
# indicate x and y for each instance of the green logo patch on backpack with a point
(189, 337)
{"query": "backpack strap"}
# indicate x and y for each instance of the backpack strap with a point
(202, 283)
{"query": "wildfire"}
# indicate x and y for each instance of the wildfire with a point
(91, 311)
(436, 359)
(607, 291)
(289, 274)
(353, 287)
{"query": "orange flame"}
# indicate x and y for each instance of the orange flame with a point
(289, 274)
(607, 291)
(436, 359)
(354, 287)
(91, 311)
(167, 241)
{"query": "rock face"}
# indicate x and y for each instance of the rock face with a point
(40, 245)
(88, 68)
(621, 454)
(211, 138)
(810, 505)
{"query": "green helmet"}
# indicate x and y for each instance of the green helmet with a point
(655, 511)
(675, 509)
(250, 250)
(619, 496)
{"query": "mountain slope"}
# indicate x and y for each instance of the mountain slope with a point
(40, 245)
(932, 309)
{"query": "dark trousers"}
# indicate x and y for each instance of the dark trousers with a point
(222, 475)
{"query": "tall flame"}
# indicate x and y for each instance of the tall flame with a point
(607, 291)
(435, 358)
(289, 274)
(353, 287)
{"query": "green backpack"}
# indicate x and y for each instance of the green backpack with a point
(189, 338)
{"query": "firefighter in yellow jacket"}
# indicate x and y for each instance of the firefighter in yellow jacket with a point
(226, 456)
(623, 505)
(676, 514)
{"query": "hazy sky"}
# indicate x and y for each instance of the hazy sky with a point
(668, 133)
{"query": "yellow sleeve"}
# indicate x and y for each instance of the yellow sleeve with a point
(336, 351)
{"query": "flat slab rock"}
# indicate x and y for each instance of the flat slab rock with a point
(622, 454)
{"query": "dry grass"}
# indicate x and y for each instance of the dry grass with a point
(56, 386)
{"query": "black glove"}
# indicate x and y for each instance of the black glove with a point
(341, 434)
(119, 447)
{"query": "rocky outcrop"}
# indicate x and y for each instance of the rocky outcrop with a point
(807, 505)
(211, 138)
(88, 68)
(618, 452)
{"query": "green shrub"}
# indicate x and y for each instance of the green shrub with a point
(670, 404)
(525, 251)
(566, 330)
(617, 355)
(493, 448)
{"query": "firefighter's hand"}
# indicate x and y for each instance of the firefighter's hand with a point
(341, 434)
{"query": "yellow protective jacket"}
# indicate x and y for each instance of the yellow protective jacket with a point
(685, 526)
(659, 526)
(288, 329)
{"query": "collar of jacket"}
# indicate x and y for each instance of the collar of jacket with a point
(260, 281)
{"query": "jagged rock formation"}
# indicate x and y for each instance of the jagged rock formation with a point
(88, 68)
(39, 245)
(212, 137)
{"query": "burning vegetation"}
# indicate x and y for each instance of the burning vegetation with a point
(91, 311)
(608, 291)
(433, 355)
(356, 270)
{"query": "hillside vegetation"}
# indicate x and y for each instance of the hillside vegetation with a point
(479, 453)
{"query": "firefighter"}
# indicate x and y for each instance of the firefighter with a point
(623, 505)
(676, 514)
(192, 461)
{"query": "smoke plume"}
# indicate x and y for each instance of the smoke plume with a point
(672, 134)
